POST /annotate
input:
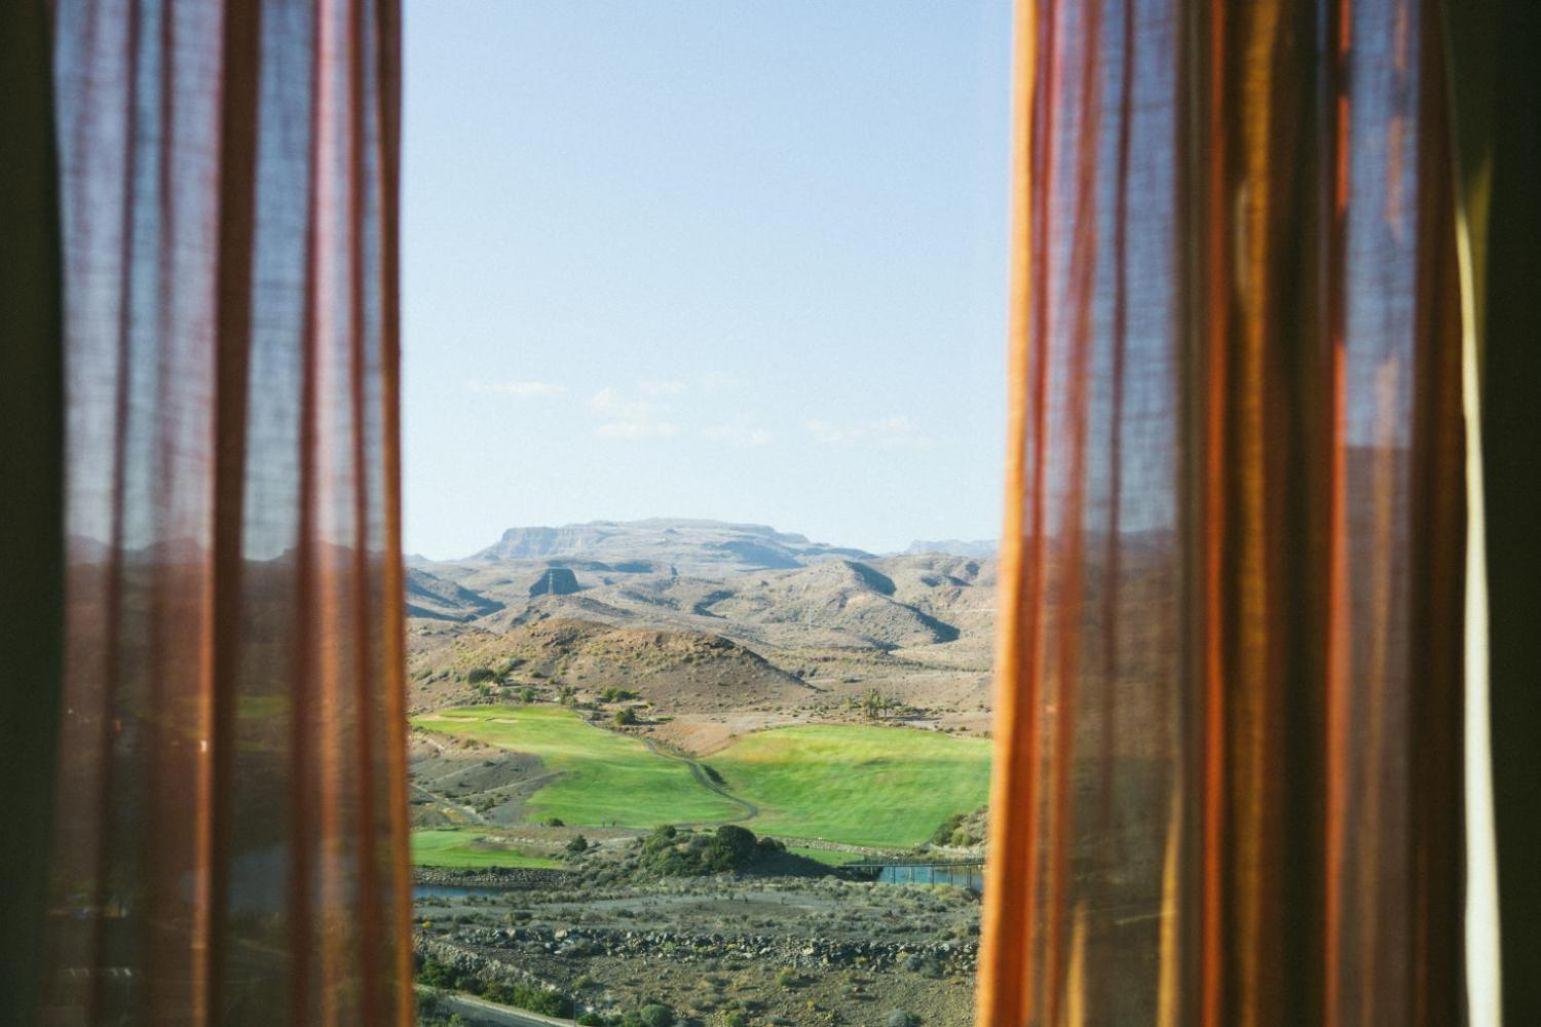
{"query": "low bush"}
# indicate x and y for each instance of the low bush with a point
(524, 996)
(436, 974)
(655, 1014)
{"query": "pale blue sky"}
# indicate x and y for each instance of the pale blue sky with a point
(720, 258)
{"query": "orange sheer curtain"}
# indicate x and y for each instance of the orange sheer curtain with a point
(1229, 778)
(230, 834)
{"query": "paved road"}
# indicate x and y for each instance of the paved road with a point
(481, 1011)
(699, 773)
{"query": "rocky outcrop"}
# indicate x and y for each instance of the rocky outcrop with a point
(557, 581)
(491, 877)
(435, 598)
(812, 954)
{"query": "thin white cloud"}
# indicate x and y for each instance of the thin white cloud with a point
(628, 418)
(637, 430)
(880, 433)
(655, 388)
(607, 400)
(518, 390)
(738, 434)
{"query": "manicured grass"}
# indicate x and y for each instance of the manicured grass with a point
(829, 857)
(877, 786)
(606, 777)
(468, 848)
(861, 785)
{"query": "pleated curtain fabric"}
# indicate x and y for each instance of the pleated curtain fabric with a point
(1229, 782)
(230, 812)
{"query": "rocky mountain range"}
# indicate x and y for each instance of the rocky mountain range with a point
(705, 617)
(978, 548)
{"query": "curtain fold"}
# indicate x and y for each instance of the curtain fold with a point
(1496, 91)
(1230, 696)
(230, 840)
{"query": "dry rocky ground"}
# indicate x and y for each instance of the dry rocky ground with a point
(785, 951)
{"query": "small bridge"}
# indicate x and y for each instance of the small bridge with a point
(968, 874)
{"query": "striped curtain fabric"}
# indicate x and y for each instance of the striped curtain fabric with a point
(1229, 785)
(230, 838)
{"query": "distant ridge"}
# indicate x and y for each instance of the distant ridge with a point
(979, 549)
(692, 546)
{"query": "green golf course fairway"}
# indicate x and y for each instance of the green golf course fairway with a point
(856, 784)
(880, 786)
(606, 777)
(829, 857)
(466, 848)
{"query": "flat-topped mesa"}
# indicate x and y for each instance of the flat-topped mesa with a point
(711, 548)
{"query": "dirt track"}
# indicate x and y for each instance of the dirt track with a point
(704, 779)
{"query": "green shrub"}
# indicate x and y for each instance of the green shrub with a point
(943, 834)
(625, 716)
(655, 1014)
(732, 848)
(578, 844)
(479, 674)
(902, 1018)
(525, 996)
(671, 852)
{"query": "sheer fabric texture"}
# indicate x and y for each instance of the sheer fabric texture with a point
(1228, 786)
(230, 840)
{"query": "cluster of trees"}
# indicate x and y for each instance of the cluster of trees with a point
(671, 852)
(487, 682)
